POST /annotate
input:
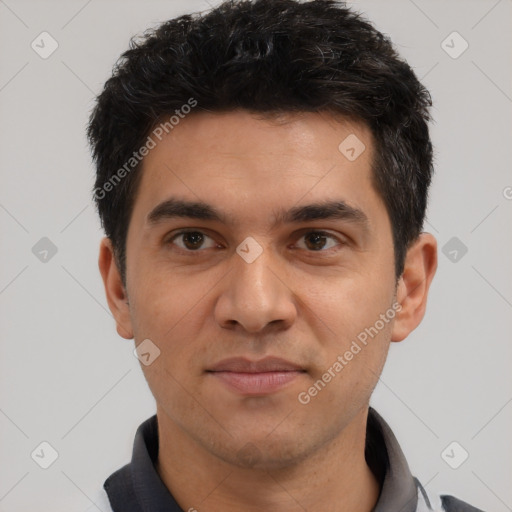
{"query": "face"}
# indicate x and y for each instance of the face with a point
(269, 309)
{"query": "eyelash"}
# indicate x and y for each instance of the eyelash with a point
(199, 251)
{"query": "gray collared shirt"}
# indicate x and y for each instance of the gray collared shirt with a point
(137, 487)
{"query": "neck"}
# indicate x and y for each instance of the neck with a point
(335, 478)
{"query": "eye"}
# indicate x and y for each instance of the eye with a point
(192, 240)
(316, 241)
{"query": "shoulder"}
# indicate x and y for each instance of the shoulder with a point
(452, 504)
(429, 502)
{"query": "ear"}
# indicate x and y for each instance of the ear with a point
(116, 294)
(413, 285)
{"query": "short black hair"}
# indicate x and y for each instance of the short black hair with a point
(265, 56)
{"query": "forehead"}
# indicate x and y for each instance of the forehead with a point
(242, 134)
(246, 164)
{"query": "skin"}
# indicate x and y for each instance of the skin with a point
(202, 305)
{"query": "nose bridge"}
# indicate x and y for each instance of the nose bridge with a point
(254, 270)
(255, 295)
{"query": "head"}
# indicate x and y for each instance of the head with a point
(265, 115)
(266, 57)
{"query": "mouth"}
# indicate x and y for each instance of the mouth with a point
(256, 378)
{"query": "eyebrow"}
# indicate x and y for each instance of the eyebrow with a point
(327, 210)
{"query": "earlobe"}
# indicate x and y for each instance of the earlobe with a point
(413, 286)
(114, 290)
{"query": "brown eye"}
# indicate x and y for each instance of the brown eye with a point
(317, 241)
(191, 241)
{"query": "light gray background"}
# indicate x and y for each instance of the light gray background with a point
(68, 379)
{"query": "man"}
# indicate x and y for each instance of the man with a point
(262, 179)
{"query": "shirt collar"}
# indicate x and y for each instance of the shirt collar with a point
(137, 487)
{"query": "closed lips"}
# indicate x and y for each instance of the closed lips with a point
(266, 365)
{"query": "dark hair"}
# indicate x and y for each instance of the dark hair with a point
(267, 56)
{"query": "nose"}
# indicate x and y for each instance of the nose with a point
(256, 296)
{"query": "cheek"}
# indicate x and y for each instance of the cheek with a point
(172, 322)
(354, 321)
(350, 305)
(161, 303)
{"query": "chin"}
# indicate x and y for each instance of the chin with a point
(265, 454)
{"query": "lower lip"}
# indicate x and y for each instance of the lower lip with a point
(257, 383)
